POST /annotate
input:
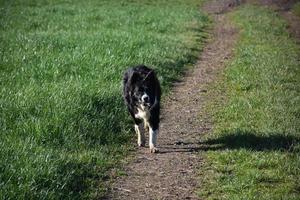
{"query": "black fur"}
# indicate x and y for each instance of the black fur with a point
(136, 81)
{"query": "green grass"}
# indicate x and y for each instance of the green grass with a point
(296, 9)
(62, 120)
(254, 150)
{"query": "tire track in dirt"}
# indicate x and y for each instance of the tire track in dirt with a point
(173, 172)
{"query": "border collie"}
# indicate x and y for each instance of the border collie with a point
(141, 92)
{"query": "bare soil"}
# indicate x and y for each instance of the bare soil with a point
(172, 173)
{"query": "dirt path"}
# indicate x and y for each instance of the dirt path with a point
(172, 173)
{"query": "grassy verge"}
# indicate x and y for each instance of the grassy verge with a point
(62, 120)
(296, 9)
(253, 152)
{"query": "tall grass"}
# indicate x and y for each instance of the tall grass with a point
(253, 152)
(62, 120)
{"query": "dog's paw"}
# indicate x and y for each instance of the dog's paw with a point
(154, 150)
(141, 144)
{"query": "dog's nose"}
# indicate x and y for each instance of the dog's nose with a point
(145, 98)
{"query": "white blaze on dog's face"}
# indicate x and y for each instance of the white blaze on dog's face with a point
(142, 96)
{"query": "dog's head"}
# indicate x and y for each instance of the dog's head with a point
(142, 88)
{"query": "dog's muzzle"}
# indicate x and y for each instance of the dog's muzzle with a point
(145, 100)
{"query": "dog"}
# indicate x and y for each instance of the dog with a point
(141, 93)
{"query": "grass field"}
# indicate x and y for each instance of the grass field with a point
(254, 151)
(62, 120)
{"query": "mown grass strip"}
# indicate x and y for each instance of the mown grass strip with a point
(253, 152)
(62, 120)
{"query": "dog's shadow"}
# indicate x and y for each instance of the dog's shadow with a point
(239, 140)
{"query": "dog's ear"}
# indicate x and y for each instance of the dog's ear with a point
(133, 78)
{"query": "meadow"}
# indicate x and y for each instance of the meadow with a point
(62, 120)
(253, 152)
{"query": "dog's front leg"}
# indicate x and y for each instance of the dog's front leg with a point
(152, 140)
(141, 136)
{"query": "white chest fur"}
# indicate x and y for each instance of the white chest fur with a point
(143, 114)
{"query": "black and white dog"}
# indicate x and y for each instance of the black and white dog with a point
(141, 92)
